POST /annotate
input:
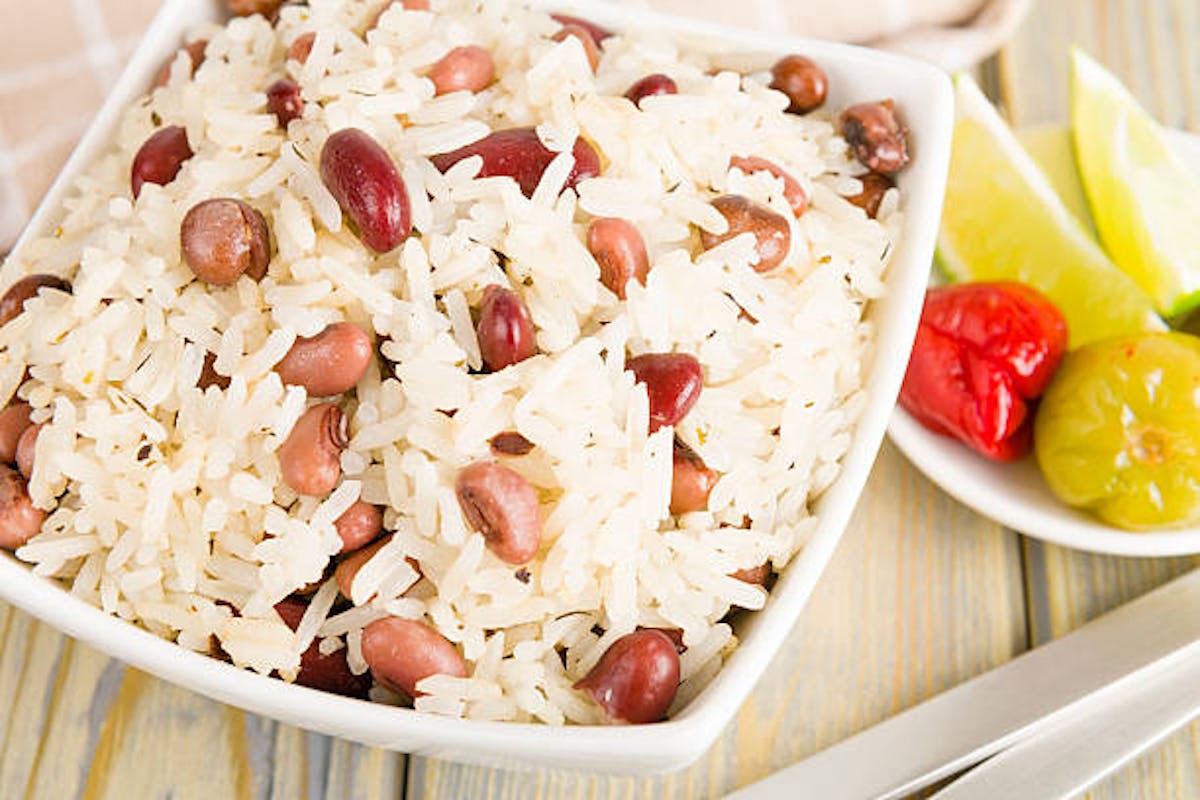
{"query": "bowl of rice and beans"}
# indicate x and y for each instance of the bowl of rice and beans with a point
(516, 367)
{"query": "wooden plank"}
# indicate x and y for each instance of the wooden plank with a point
(920, 595)
(1154, 47)
(77, 724)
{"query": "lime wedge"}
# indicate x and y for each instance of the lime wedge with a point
(1054, 152)
(1003, 221)
(1143, 197)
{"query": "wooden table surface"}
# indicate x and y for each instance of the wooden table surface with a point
(921, 594)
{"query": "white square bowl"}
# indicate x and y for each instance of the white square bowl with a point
(924, 96)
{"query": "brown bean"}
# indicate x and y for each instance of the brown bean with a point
(301, 47)
(674, 634)
(195, 51)
(247, 8)
(404, 652)
(619, 249)
(284, 101)
(347, 569)
(505, 329)
(875, 186)
(636, 679)
(20, 521)
(224, 238)
(510, 443)
(519, 154)
(359, 525)
(14, 421)
(363, 178)
(650, 86)
(463, 69)
(209, 375)
(876, 135)
(773, 236)
(331, 362)
(691, 480)
(597, 33)
(159, 158)
(503, 506)
(673, 383)
(793, 192)
(26, 447)
(329, 673)
(756, 575)
(310, 457)
(590, 48)
(13, 301)
(805, 84)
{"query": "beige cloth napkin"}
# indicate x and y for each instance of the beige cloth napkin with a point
(59, 57)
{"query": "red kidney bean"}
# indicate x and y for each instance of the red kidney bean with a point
(673, 382)
(590, 48)
(674, 634)
(332, 362)
(363, 178)
(195, 51)
(805, 83)
(597, 33)
(463, 69)
(26, 447)
(772, 234)
(224, 238)
(309, 459)
(20, 521)
(505, 329)
(792, 191)
(13, 301)
(510, 443)
(359, 525)
(619, 249)
(636, 679)
(875, 186)
(503, 506)
(756, 575)
(519, 154)
(284, 101)
(876, 135)
(404, 652)
(650, 86)
(691, 480)
(301, 47)
(329, 673)
(247, 8)
(160, 157)
(14, 420)
(347, 569)
(209, 375)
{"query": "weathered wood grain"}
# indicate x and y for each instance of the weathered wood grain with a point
(76, 724)
(920, 595)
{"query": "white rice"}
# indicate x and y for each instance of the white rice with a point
(197, 537)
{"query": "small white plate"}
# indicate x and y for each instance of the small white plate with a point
(1015, 495)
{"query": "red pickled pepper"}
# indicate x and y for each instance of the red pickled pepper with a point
(984, 353)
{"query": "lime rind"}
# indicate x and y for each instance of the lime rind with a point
(1141, 193)
(1004, 221)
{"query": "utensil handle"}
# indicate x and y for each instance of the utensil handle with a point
(1071, 756)
(990, 713)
